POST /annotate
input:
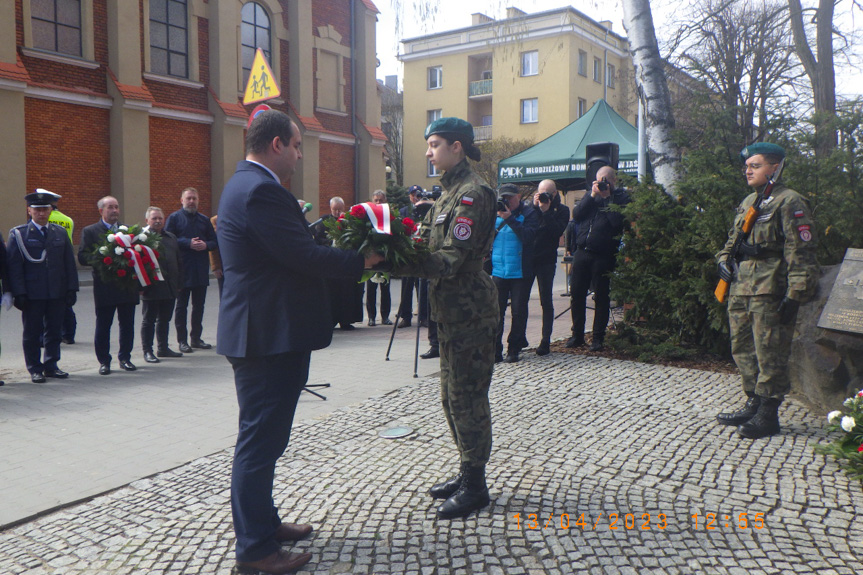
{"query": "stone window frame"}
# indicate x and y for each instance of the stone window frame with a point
(148, 21)
(278, 32)
(88, 48)
(329, 41)
(196, 9)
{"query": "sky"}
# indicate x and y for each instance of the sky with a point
(455, 14)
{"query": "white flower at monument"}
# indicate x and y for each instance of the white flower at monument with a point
(111, 237)
(848, 423)
(142, 237)
(833, 416)
(138, 248)
(123, 228)
(104, 250)
(119, 251)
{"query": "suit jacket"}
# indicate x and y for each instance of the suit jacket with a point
(196, 264)
(104, 294)
(172, 270)
(49, 279)
(274, 299)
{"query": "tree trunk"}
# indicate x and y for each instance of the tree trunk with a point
(653, 92)
(821, 72)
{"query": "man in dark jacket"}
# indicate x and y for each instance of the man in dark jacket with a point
(512, 266)
(159, 297)
(594, 254)
(195, 236)
(109, 298)
(43, 280)
(553, 218)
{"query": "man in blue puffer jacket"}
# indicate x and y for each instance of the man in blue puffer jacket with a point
(512, 266)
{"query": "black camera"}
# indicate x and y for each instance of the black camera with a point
(434, 194)
(603, 185)
(544, 197)
(502, 206)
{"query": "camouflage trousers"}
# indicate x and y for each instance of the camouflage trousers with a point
(467, 363)
(760, 345)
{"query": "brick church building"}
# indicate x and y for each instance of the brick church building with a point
(142, 98)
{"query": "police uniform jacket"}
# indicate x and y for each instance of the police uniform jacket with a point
(51, 278)
(196, 264)
(599, 227)
(104, 294)
(171, 266)
(779, 254)
(459, 229)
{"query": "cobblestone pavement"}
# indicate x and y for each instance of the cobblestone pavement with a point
(631, 447)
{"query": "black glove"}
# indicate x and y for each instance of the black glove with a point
(22, 302)
(71, 298)
(788, 310)
(725, 272)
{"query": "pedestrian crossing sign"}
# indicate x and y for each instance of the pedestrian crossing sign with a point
(262, 84)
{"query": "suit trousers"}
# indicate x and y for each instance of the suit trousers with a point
(590, 268)
(421, 285)
(544, 274)
(70, 324)
(43, 321)
(156, 320)
(518, 290)
(102, 339)
(268, 389)
(198, 296)
(371, 296)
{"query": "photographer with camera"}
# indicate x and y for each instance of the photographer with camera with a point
(594, 254)
(512, 266)
(553, 219)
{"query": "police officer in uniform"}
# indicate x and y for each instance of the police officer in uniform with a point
(43, 280)
(459, 230)
(776, 273)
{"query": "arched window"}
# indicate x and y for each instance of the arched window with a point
(56, 25)
(255, 33)
(169, 45)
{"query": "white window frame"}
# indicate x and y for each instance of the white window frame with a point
(530, 63)
(597, 70)
(609, 75)
(438, 77)
(582, 63)
(582, 107)
(532, 116)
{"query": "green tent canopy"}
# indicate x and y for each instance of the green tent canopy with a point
(561, 155)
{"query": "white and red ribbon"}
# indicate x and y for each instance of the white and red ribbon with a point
(137, 262)
(379, 216)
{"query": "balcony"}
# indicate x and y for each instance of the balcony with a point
(480, 89)
(481, 133)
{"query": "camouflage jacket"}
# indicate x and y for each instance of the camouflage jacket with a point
(784, 241)
(459, 229)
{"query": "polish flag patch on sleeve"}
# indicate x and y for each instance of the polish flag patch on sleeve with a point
(467, 201)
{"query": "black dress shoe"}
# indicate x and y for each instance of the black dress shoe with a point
(543, 349)
(511, 357)
(68, 341)
(347, 327)
(386, 321)
(432, 353)
(372, 323)
(574, 342)
(37, 377)
(150, 358)
(2, 383)
(105, 369)
(56, 373)
(404, 322)
(184, 347)
(127, 365)
(498, 358)
(597, 344)
(201, 344)
(424, 323)
(168, 352)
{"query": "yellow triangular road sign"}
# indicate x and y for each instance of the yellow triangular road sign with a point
(262, 84)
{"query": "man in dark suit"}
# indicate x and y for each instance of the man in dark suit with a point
(159, 297)
(109, 298)
(274, 311)
(43, 280)
(196, 237)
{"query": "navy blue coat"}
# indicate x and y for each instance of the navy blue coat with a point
(103, 294)
(274, 299)
(50, 279)
(196, 264)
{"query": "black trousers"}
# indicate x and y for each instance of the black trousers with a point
(43, 321)
(268, 389)
(70, 324)
(371, 296)
(156, 320)
(590, 268)
(517, 290)
(544, 274)
(102, 339)
(421, 285)
(198, 296)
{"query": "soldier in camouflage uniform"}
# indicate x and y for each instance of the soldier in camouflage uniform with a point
(777, 271)
(459, 229)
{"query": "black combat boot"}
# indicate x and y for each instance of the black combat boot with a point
(447, 488)
(766, 421)
(471, 495)
(743, 415)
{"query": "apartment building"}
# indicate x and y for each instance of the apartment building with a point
(524, 77)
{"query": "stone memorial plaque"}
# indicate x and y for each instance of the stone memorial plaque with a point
(844, 308)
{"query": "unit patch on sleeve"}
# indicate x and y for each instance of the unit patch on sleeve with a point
(805, 233)
(461, 230)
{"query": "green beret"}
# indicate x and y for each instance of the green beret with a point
(761, 148)
(455, 126)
